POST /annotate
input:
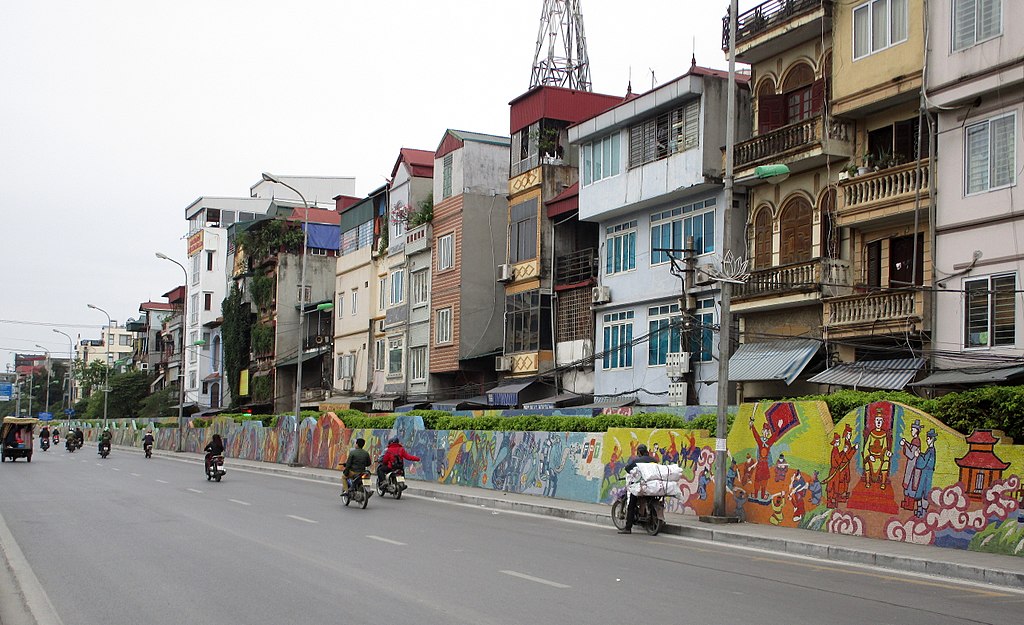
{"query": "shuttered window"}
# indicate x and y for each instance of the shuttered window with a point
(990, 311)
(664, 135)
(990, 161)
(763, 239)
(975, 21)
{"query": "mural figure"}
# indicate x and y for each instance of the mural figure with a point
(911, 449)
(741, 499)
(731, 475)
(877, 452)
(781, 467)
(797, 492)
(764, 445)
(702, 484)
(778, 504)
(615, 464)
(692, 452)
(748, 469)
(837, 487)
(922, 483)
(814, 488)
(672, 453)
(551, 451)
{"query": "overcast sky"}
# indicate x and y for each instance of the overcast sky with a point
(116, 114)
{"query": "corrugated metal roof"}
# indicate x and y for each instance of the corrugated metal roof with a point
(480, 137)
(420, 162)
(557, 103)
(888, 374)
(968, 377)
(771, 360)
(565, 202)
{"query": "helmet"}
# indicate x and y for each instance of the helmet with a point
(641, 450)
(393, 440)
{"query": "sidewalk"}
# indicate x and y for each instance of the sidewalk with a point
(972, 566)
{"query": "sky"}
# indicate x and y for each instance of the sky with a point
(115, 115)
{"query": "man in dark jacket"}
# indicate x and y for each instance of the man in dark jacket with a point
(357, 463)
(393, 457)
(634, 501)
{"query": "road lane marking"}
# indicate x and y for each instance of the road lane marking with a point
(239, 502)
(99, 464)
(162, 482)
(137, 474)
(384, 540)
(38, 603)
(303, 519)
(194, 490)
(531, 578)
(114, 469)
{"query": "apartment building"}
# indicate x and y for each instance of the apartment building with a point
(651, 181)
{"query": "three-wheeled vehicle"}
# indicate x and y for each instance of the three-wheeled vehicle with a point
(16, 438)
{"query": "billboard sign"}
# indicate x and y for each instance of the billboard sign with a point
(6, 391)
(195, 243)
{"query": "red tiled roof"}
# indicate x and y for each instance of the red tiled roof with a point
(982, 460)
(421, 162)
(316, 216)
(156, 305)
(982, 437)
(343, 202)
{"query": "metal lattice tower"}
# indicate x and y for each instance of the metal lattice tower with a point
(561, 19)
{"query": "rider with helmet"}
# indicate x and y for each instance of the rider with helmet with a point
(393, 458)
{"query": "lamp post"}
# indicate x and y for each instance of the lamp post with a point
(181, 365)
(302, 305)
(71, 364)
(48, 373)
(106, 362)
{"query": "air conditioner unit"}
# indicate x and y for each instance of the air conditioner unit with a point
(704, 275)
(346, 384)
(677, 393)
(503, 363)
(677, 365)
(505, 273)
(601, 295)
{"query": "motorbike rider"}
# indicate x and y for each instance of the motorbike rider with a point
(105, 439)
(79, 437)
(56, 436)
(147, 439)
(357, 463)
(214, 448)
(634, 501)
(392, 458)
(44, 434)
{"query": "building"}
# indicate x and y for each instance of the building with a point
(651, 181)
(171, 340)
(148, 342)
(115, 348)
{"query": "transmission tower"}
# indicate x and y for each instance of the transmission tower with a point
(565, 63)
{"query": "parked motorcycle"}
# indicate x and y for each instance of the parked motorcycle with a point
(215, 469)
(104, 449)
(650, 512)
(393, 482)
(148, 448)
(359, 490)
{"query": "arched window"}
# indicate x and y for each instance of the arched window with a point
(769, 114)
(763, 239)
(795, 230)
(798, 91)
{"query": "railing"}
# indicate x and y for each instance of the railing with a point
(419, 238)
(802, 134)
(767, 15)
(314, 394)
(887, 185)
(576, 267)
(815, 275)
(890, 306)
(314, 341)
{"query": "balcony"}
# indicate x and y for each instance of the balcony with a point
(418, 239)
(803, 145)
(313, 394)
(792, 285)
(314, 341)
(576, 268)
(775, 26)
(888, 194)
(871, 314)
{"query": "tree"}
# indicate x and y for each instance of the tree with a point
(89, 376)
(235, 330)
(127, 390)
(163, 403)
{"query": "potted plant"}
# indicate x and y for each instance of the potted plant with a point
(866, 161)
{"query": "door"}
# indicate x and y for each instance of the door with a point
(795, 229)
(903, 270)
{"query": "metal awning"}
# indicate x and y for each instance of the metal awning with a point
(887, 374)
(772, 360)
(515, 393)
(555, 401)
(412, 406)
(451, 405)
(384, 402)
(306, 356)
(972, 376)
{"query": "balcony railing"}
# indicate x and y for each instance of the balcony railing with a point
(824, 275)
(765, 16)
(576, 267)
(792, 138)
(314, 394)
(874, 307)
(313, 341)
(419, 238)
(888, 186)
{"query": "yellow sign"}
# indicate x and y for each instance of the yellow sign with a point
(195, 243)
(243, 383)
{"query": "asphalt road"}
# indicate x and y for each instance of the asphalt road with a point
(130, 540)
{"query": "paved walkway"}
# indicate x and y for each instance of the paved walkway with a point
(974, 566)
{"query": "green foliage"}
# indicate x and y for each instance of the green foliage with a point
(991, 407)
(127, 390)
(262, 338)
(235, 331)
(841, 402)
(162, 403)
(269, 237)
(709, 422)
(262, 289)
(89, 376)
(261, 388)
(383, 241)
(425, 214)
(430, 417)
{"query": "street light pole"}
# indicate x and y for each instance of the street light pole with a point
(181, 366)
(302, 307)
(71, 365)
(48, 373)
(106, 362)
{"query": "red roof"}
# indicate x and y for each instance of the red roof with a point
(156, 305)
(982, 460)
(565, 202)
(342, 202)
(982, 437)
(421, 162)
(177, 294)
(316, 216)
(558, 103)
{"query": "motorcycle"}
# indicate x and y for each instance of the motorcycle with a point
(393, 482)
(44, 444)
(359, 490)
(148, 448)
(71, 444)
(104, 449)
(215, 469)
(650, 512)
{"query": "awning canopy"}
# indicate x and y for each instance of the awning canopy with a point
(515, 393)
(306, 356)
(451, 405)
(771, 360)
(385, 402)
(555, 401)
(972, 376)
(413, 406)
(887, 374)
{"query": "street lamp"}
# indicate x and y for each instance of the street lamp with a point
(48, 372)
(106, 362)
(181, 366)
(302, 305)
(71, 364)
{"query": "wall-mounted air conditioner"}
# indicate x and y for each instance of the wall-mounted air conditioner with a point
(601, 295)
(704, 275)
(503, 363)
(677, 365)
(505, 273)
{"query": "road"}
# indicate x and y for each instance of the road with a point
(129, 540)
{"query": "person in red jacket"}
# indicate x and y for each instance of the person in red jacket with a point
(392, 458)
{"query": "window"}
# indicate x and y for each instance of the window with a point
(990, 162)
(620, 248)
(124, 340)
(206, 341)
(664, 135)
(216, 353)
(227, 218)
(193, 353)
(395, 356)
(522, 235)
(303, 294)
(243, 216)
(446, 252)
(419, 293)
(618, 339)
(341, 304)
(380, 354)
(795, 230)
(527, 322)
(877, 25)
(446, 176)
(207, 301)
(195, 269)
(671, 228)
(194, 307)
(703, 330)
(209, 261)
(975, 21)
(355, 300)
(397, 223)
(317, 251)
(897, 143)
(357, 238)
(193, 378)
(989, 311)
(600, 159)
(382, 293)
(418, 363)
(346, 366)
(763, 239)
(397, 287)
(443, 326)
(664, 338)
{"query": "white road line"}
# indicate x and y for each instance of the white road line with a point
(239, 502)
(384, 540)
(114, 469)
(162, 481)
(99, 464)
(535, 579)
(137, 474)
(303, 519)
(194, 490)
(36, 600)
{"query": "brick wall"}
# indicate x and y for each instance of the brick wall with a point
(446, 285)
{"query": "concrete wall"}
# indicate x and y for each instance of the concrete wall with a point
(482, 249)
